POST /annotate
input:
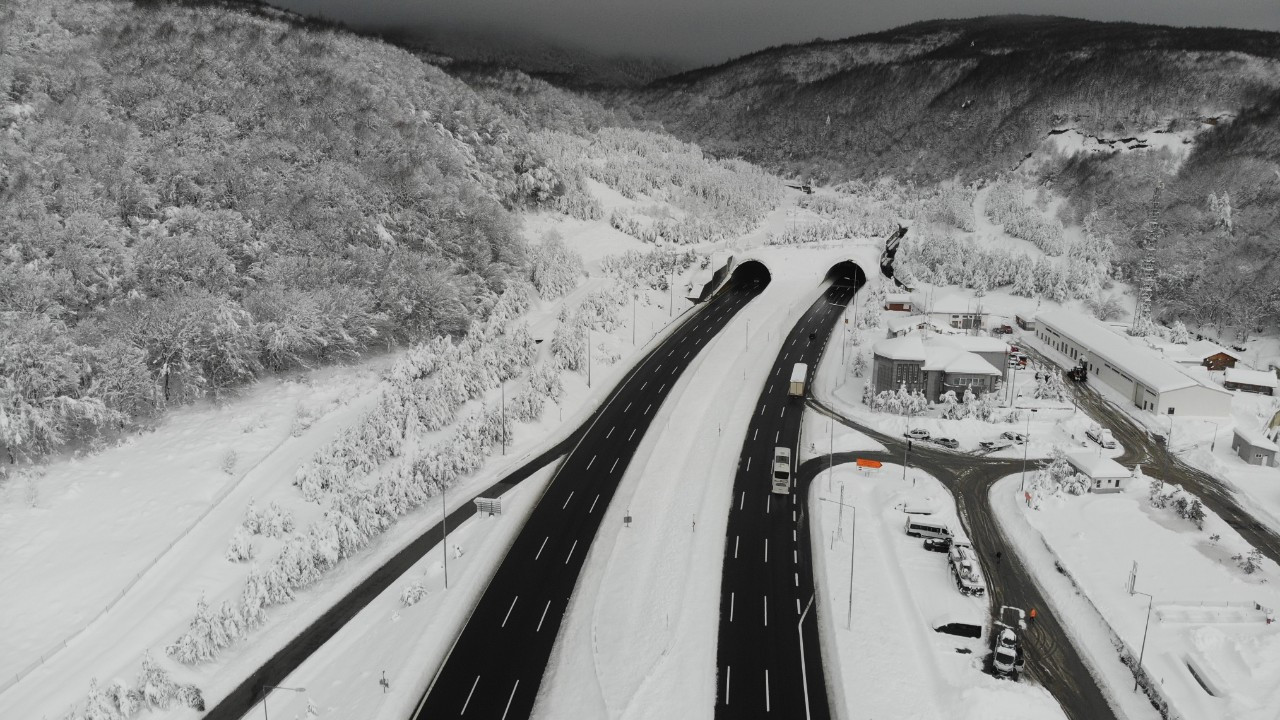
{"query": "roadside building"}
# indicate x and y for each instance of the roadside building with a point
(1144, 377)
(898, 301)
(1253, 447)
(1210, 355)
(992, 349)
(1254, 381)
(932, 367)
(958, 311)
(1105, 475)
(899, 326)
(1026, 322)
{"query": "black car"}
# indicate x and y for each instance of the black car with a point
(937, 544)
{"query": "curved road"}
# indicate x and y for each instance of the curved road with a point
(495, 667)
(1051, 658)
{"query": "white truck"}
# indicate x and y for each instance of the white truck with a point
(1101, 435)
(965, 568)
(798, 375)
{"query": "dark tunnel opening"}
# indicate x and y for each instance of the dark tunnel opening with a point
(847, 273)
(751, 272)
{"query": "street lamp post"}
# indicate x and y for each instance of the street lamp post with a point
(503, 385)
(444, 519)
(1214, 443)
(588, 357)
(266, 690)
(1145, 628)
(1026, 445)
(906, 447)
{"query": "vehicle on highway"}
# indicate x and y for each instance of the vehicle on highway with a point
(1101, 435)
(947, 442)
(937, 544)
(781, 471)
(923, 527)
(1015, 437)
(798, 374)
(917, 434)
(964, 567)
(995, 445)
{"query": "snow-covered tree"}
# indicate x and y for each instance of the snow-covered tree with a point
(1049, 386)
(254, 599)
(158, 690)
(413, 592)
(859, 367)
(100, 705)
(1178, 333)
(241, 546)
(951, 407)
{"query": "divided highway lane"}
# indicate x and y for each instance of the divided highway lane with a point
(495, 667)
(767, 577)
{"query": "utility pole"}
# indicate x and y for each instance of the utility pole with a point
(503, 385)
(588, 357)
(1142, 653)
(633, 318)
(831, 455)
(1026, 444)
(444, 519)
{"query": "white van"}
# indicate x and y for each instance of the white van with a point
(781, 470)
(924, 527)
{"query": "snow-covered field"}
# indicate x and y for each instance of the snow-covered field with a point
(889, 662)
(1204, 620)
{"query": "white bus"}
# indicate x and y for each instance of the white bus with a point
(781, 471)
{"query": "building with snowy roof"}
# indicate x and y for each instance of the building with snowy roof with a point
(930, 366)
(959, 311)
(1254, 447)
(1254, 381)
(899, 326)
(898, 301)
(1143, 376)
(1105, 475)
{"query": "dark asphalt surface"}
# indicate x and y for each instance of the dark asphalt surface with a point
(496, 666)
(1052, 660)
(274, 671)
(767, 576)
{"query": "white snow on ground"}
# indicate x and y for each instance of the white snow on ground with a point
(639, 639)
(888, 660)
(1203, 615)
(822, 436)
(104, 491)
(88, 526)
(408, 644)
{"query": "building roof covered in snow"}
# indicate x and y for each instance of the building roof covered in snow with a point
(956, 362)
(1095, 466)
(1201, 349)
(975, 343)
(898, 297)
(956, 304)
(1256, 438)
(907, 347)
(1259, 378)
(1139, 361)
(899, 324)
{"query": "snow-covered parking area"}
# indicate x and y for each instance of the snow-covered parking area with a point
(888, 662)
(1209, 650)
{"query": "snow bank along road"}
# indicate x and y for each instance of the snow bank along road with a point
(1051, 658)
(765, 667)
(496, 665)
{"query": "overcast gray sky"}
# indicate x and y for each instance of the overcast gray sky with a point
(707, 31)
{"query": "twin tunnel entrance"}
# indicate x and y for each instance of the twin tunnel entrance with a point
(845, 273)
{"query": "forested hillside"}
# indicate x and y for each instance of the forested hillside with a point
(976, 99)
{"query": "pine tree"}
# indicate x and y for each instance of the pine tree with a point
(158, 691)
(241, 546)
(859, 364)
(1196, 514)
(100, 705)
(254, 600)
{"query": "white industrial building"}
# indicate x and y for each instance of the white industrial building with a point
(1146, 378)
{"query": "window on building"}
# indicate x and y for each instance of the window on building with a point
(1170, 411)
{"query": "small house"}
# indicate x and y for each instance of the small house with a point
(1105, 475)
(1210, 355)
(1254, 381)
(898, 301)
(899, 326)
(1253, 447)
(1026, 322)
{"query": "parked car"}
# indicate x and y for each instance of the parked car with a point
(937, 544)
(1016, 437)
(917, 434)
(947, 442)
(994, 445)
(1101, 435)
(1004, 330)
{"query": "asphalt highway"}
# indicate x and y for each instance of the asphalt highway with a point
(769, 664)
(1051, 659)
(495, 667)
